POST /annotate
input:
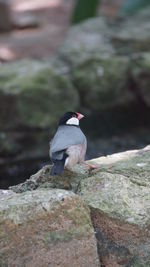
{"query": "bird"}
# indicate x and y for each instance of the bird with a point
(69, 144)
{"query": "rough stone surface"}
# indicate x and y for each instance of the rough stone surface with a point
(90, 38)
(105, 80)
(99, 56)
(94, 66)
(119, 197)
(45, 228)
(99, 59)
(140, 72)
(117, 193)
(29, 93)
(133, 35)
(42, 179)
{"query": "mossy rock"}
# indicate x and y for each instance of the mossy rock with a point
(133, 34)
(69, 180)
(102, 82)
(140, 72)
(33, 94)
(118, 195)
(127, 177)
(45, 228)
(88, 39)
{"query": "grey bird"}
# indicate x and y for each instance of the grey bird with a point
(68, 146)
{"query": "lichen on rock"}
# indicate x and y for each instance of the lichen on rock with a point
(45, 228)
(42, 179)
(118, 195)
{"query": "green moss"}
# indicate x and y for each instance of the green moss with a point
(79, 216)
(105, 79)
(138, 263)
(36, 90)
(55, 237)
(42, 179)
(117, 196)
(3, 262)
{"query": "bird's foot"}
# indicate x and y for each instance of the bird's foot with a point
(91, 166)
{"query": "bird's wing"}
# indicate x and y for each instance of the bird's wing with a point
(65, 137)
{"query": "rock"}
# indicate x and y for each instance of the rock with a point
(86, 40)
(26, 21)
(118, 195)
(42, 179)
(140, 72)
(133, 35)
(45, 228)
(30, 91)
(99, 58)
(105, 80)
(94, 66)
(5, 16)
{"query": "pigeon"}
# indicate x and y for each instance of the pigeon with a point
(69, 144)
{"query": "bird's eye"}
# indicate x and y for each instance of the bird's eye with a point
(74, 116)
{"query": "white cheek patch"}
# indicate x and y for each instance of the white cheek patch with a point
(73, 121)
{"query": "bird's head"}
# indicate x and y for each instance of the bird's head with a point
(71, 118)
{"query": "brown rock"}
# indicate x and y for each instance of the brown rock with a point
(46, 228)
(118, 195)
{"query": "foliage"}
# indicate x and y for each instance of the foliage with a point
(84, 9)
(130, 7)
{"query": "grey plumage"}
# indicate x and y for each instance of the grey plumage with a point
(68, 147)
(58, 166)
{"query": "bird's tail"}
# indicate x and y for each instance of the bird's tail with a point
(57, 168)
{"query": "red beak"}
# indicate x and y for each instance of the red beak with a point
(80, 116)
